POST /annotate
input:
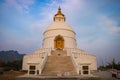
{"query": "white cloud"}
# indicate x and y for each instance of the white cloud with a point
(20, 5)
(110, 26)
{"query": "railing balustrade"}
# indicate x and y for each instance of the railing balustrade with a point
(47, 51)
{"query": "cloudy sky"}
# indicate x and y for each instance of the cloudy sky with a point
(96, 23)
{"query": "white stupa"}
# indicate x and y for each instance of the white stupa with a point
(59, 46)
(61, 28)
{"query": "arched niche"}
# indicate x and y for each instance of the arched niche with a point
(59, 42)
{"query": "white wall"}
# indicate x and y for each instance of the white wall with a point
(69, 38)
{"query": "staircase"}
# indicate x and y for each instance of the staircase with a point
(59, 62)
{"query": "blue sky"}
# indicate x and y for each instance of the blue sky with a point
(96, 23)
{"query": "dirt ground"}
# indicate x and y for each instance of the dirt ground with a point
(105, 75)
(10, 75)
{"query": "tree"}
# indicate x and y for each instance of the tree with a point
(14, 65)
(113, 65)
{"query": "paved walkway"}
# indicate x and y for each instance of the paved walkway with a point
(38, 77)
(103, 75)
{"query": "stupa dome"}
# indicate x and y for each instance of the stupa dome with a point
(59, 26)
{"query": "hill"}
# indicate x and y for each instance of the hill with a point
(10, 56)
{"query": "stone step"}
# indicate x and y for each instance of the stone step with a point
(58, 53)
(59, 64)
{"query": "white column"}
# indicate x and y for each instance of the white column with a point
(39, 71)
(35, 70)
(88, 69)
(78, 71)
(81, 70)
(28, 69)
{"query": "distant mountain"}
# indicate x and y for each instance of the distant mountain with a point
(10, 55)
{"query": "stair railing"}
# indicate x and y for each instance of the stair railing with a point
(43, 62)
(74, 62)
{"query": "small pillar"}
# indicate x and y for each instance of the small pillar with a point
(28, 70)
(89, 70)
(35, 72)
(39, 71)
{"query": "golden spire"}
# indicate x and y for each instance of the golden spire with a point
(59, 16)
(59, 12)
